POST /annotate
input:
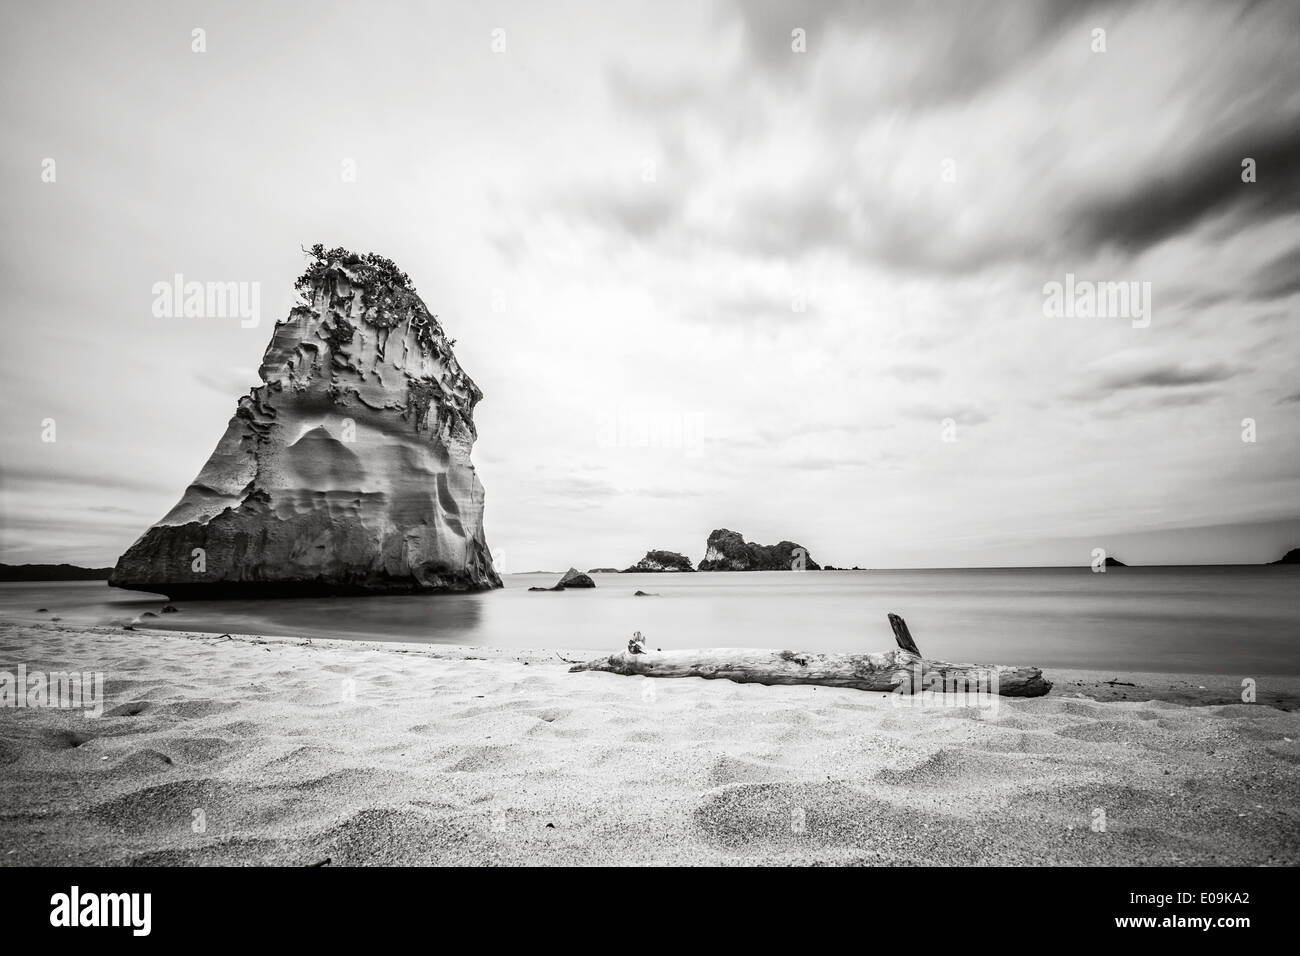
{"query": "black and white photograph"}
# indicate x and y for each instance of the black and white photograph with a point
(737, 433)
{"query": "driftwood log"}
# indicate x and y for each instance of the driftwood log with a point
(903, 670)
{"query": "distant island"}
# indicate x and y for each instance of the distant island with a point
(729, 551)
(661, 561)
(1115, 563)
(1291, 557)
(602, 571)
(52, 572)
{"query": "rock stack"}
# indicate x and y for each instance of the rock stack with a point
(347, 471)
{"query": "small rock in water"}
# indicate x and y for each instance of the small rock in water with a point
(169, 609)
(573, 578)
(42, 610)
(148, 614)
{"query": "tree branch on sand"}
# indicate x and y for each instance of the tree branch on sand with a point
(903, 670)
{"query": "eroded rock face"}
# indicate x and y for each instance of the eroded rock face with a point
(729, 551)
(661, 561)
(347, 471)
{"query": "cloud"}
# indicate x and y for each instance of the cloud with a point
(962, 414)
(663, 492)
(1278, 278)
(756, 309)
(632, 207)
(1165, 375)
(1182, 399)
(1168, 199)
(928, 54)
(914, 372)
(558, 488)
(33, 478)
(841, 147)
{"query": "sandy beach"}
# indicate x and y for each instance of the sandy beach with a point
(250, 750)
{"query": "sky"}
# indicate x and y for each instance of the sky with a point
(773, 267)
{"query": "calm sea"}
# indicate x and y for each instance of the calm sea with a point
(1237, 620)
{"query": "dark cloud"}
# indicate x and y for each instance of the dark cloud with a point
(1277, 279)
(1182, 399)
(1291, 399)
(1167, 200)
(1167, 375)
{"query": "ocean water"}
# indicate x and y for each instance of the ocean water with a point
(1230, 620)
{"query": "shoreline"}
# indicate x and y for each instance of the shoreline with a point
(288, 751)
(1281, 691)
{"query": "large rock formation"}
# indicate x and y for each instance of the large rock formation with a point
(1291, 557)
(661, 561)
(729, 551)
(348, 471)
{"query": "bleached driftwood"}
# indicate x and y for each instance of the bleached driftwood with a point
(903, 670)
